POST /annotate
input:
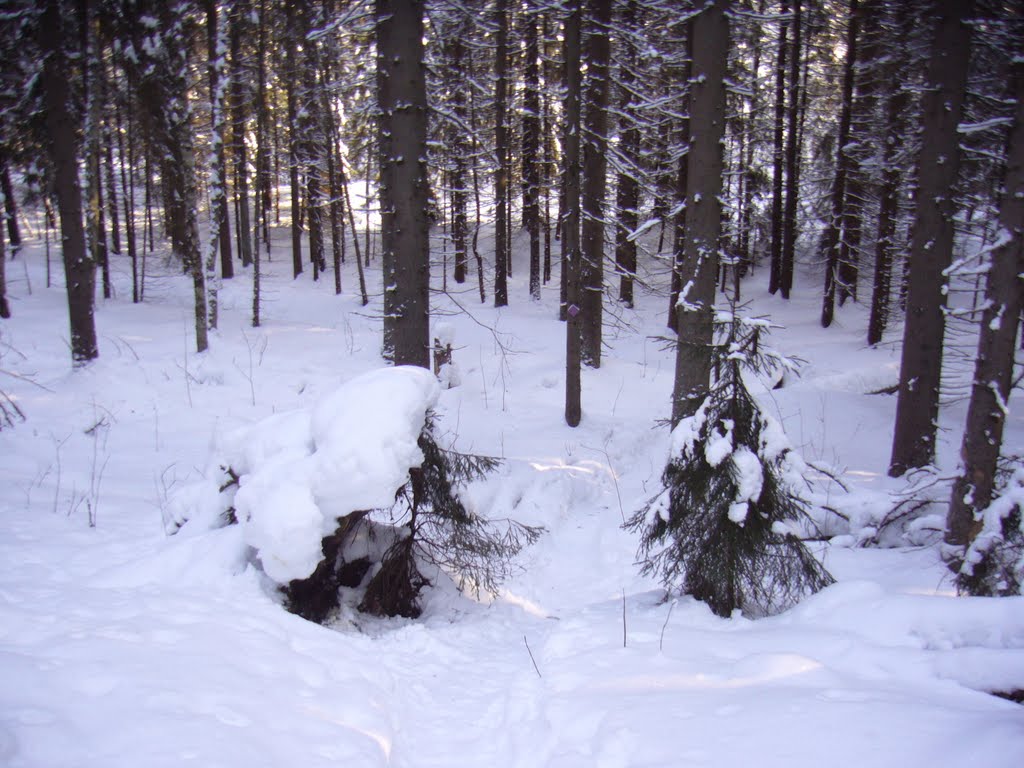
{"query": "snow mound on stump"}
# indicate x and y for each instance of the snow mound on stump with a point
(298, 473)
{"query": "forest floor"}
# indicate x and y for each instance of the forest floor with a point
(123, 646)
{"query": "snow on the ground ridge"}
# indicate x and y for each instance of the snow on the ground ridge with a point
(298, 473)
(120, 645)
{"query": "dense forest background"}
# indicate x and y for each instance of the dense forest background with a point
(689, 148)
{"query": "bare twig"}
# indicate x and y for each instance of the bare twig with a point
(535, 668)
(661, 640)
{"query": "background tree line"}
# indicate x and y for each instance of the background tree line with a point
(872, 146)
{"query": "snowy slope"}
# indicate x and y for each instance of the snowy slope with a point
(120, 645)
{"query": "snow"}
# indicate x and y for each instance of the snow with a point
(123, 646)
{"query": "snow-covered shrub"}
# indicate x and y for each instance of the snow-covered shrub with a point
(994, 562)
(725, 526)
(355, 493)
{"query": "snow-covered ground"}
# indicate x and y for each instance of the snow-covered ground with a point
(120, 645)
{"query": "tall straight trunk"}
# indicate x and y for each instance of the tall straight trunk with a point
(220, 235)
(897, 101)
(264, 179)
(460, 149)
(571, 222)
(750, 170)
(311, 147)
(931, 250)
(695, 309)
(335, 208)
(681, 185)
(549, 70)
(993, 372)
(831, 240)
(532, 151)
(402, 143)
(501, 171)
(627, 188)
(240, 25)
(108, 167)
(789, 218)
(596, 53)
(860, 149)
(62, 131)
(291, 85)
(94, 97)
(778, 153)
(161, 74)
(5, 307)
(10, 204)
(128, 192)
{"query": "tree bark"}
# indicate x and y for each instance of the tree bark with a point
(931, 250)
(593, 185)
(831, 241)
(993, 373)
(62, 129)
(571, 221)
(501, 170)
(402, 143)
(695, 308)
(627, 188)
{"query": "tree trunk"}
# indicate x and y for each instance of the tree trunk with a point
(62, 129)
(931, 250)
(627, 188)
(532, 151)
(778, 153)
(291, 84)
(10, 205)
(897, 101)
(695, 309)
(571, 222)
(240, 25)
(402, 142)
(596, 54)
(789, 219)
(460, 149)
(832, 238)
(993, 373)
(501, 171)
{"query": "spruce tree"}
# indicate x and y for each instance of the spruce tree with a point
(724, 526)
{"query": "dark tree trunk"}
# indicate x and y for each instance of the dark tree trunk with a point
(108, 167)
(402, 143)
(596, 54)
(128, 194)
(860, 148)
(240, 26)
(831, 241)
(789, 219)
(501, 171)
(5, 307)
(627, 191)
(778, 154)
(681, 185)
(897, 102)
(993, 373)
(532, 151)
(460, 149)
(571, 221)
(710, 44)
(291, 85)
(62, 129)
(931, 249)
(10, 205)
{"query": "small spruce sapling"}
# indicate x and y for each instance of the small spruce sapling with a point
(440, 531)
(724, 526)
